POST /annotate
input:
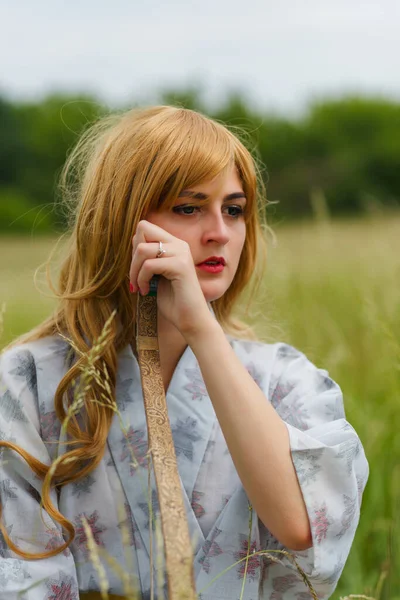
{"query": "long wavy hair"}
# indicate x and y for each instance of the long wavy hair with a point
(122, 167)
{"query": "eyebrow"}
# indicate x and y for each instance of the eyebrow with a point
(201, 196)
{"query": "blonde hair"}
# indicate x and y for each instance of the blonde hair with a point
(122, 167)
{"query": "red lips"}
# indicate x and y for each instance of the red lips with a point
(214, 259)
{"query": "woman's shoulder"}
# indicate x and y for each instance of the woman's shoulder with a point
(280, 360)
(30, 373)
(265, 351)
(23, 360)
(40, 349)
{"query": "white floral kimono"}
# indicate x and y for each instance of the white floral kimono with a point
(326, 451)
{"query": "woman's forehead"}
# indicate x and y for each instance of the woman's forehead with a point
(229, 177)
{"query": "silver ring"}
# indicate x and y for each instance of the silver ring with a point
(161, 250)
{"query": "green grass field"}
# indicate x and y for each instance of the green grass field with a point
(332, 290)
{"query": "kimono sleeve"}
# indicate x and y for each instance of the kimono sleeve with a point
(329, 460)
(27, 525)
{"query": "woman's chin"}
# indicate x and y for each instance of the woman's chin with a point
(213, 292)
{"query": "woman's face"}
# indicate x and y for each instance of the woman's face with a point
(215, 230)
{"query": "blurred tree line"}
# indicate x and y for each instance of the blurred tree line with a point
(345, 152)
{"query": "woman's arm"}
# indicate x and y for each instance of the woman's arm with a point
(256, 436)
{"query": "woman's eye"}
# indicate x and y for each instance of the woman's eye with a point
(185, 209)
(235, 211)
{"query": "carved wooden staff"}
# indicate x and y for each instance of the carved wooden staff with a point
(177, 544)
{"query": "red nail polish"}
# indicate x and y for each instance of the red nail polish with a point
(131, 288)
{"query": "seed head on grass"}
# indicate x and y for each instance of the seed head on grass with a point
(90, 372)
(130, 593)
(94, 557)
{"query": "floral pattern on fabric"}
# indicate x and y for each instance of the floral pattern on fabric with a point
(284, 584)
(321, 522)
(295, 413)
(211, 549)
(334, 410)
(197, 507)
(280, 392)
(25, 370)
(326, 452)
(12, 572)
(50, 424)
(185, 436)
(134, 448)
(125, 397)
(81, 540)
(224, 501)
(63, 349)
(347, 521)
(54, 543)
(196, 387)
(56, 540)
(251, 565)
(63, 588)
(11, 409)
(7, 491)
(308, 465)
(254, 373)
(82, 486)
(3, 545)
(349, 452)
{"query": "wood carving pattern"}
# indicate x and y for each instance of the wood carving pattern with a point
(177, 544)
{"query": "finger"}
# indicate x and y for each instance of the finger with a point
(166, 267)
(139, 237)
(148, 232)
(143, 252)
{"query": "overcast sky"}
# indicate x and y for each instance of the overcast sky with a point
(281, 54)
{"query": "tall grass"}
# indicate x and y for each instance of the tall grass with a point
(332, 290)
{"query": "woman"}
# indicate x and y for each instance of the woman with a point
(169, 192)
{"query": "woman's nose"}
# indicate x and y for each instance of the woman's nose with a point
(215, 229)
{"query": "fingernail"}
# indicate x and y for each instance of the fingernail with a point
(130, 288)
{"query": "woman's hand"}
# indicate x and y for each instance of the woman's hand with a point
(180, 299)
